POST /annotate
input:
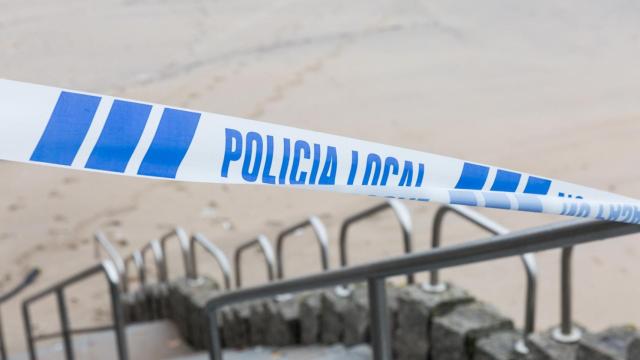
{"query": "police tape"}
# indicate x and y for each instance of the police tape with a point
(78, 130)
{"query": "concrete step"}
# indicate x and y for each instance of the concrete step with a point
(161, 340)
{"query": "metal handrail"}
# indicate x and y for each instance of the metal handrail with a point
(137, 259)
(185, 250)
(216, 252)
(321, 236)
(528, 260)
(567, 332)
(102, 241)
(500, 246)
(402, 215)
(158, 257)
(113, 279)
(26, 281)
(267, 251)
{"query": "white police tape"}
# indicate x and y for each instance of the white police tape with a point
(47, 125)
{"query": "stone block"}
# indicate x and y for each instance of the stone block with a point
(260, 312)
(499, 346)
(332, 316)
(157, 301)
(129, 307)
(283, 324)
(611, 344)
(310, 312)
(235, 325)
(454, 335)
(198, 323)
(415, 307)
(542, 346)
(356, 318)
(180, 295)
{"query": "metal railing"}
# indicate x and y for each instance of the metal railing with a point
(137, 259)
(515, 243)
(113, 280)
(320, 232)
(155, 246)
(26, 281)
(404, 219)
(528, 260)
(215, 252)
(102, 241)
(567, 332)
(185, 250)
(267, 251)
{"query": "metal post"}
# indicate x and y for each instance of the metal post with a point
(322, 238)
(101, 240)
(528, 260)
(215, 349)
(28, 331)
(267, 251)
(64, 324)
(567, 333)
(185, 250)
(214, 251)
(530, 266)
(3, 349)
(404, 219)
(380, 329)
(116, 310)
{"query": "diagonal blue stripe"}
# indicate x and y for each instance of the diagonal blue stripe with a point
(538, 186)
(473, 177)
(506, 181)
(119, 137)
(170, 143)
(66, 129)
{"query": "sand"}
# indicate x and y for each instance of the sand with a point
(541, 87)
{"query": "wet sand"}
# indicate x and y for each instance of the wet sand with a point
(546, 88)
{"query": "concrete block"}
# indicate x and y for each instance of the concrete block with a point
(611, 344)
(633, 350)
(180, 295)
(198, 323)
(454, 335)
(157, 301)
(332, 317)
(344, 319)
(260, 312)
(499, 346)
(235, 325)
(310, 312)
(143, 312)
(415, 307)
(542, 346)
(283, 324)
(129, 307)
(356, 318)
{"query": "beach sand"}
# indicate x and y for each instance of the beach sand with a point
(542, 87)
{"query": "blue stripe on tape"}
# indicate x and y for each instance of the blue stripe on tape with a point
(538, 186)
(473, 177)
(506, 181)
(529, 203)
(496, 200)
(67, 128)
(119, 137)
(170, 143)
(463, 198)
